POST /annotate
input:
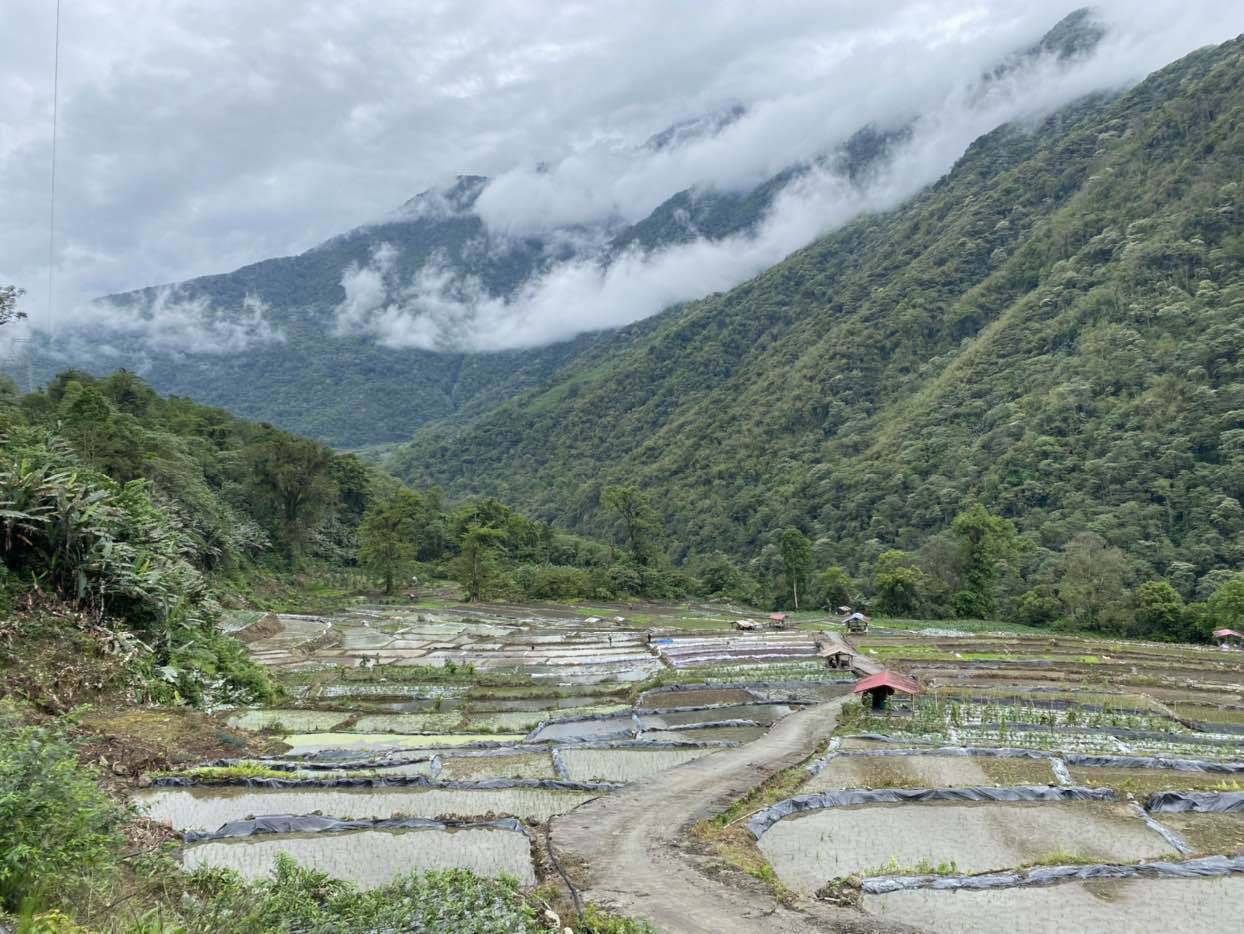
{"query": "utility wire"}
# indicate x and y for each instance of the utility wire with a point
(52, 195)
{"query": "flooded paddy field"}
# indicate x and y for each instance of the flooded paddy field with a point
(318, 743)
(207, 808)
(371, 858)
(521, 765)
(1182, 906)
(808, 849)
(928, 772)
(623, 765)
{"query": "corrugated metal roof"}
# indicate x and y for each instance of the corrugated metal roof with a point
(886, 679)
(1223, 633)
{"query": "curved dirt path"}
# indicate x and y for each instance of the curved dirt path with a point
(632, 845)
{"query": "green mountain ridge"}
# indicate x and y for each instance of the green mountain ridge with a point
(1052, 329)
(350, 390)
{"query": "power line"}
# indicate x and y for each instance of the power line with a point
(52, 194)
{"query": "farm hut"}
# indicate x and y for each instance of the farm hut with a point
(857, 622)
(836, 658)
(747, 625)
(1229, 639)
(880, 686)
(777, 620)
(844, 611)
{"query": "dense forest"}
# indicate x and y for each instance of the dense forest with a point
(1052, 331)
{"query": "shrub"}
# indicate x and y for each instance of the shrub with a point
(57, 826)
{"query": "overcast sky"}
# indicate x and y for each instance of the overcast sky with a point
(199, 135)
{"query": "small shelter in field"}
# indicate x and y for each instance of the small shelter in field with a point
(747, 625)
(777, 620)
(843, 611)
(1228, 639)
(880, 686)
(837, 658)
(857, 622)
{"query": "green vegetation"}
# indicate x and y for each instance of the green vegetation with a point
(57, 827)
(1048, 332)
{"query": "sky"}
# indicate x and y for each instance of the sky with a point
(199, 135)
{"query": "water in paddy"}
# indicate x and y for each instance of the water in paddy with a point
(522, 765)
(1178, 906)
(610, 727)
(695, 698)
(808, 849)
(763, 714)
(624, 765)
(373, 857)
(928, 772)
(713, 734)
(207, 808)
(317, 742)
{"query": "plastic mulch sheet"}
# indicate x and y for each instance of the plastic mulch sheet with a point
(766, 818)
(315, 823)
(1175, 802)
(395, 781)
(1203, 867)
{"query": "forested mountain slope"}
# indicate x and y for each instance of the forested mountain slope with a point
(284, 340)
(1053, 329)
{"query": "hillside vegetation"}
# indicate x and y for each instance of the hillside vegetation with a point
(1053, 330)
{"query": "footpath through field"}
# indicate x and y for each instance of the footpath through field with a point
(632, 844)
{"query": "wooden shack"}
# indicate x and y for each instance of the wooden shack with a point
(1228, 639)
(857, 622)
(777, 620)
(878, 688)
(838, 659)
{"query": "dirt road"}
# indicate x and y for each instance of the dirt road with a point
(632, 845)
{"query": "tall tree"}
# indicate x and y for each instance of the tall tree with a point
(986, 541)
(474, 565)
(639, 526)
(1225, 607)
(898, 582)
(1092, 577)
(1159, 611)
(796, 560)
(389, 536)
(833, 587)
(291, 486)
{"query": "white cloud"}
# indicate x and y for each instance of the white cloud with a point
(169, 322)
(437, 310)
(196, 138)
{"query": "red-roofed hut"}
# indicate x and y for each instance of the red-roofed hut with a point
(881, 685)
(1228, 638)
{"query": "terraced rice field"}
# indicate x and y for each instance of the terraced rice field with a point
(512, 692)
(1183, 906)
(809, 849)
(371, 858)
(208, 808)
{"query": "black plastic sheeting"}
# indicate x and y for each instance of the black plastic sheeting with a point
(315, 823)
(1187, 738)
(395, 781)
(1204, 867)
(766, 818)
(1071, 758)
(1153, 762)
(1214, 802)
(991, 752)
(706, 725)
